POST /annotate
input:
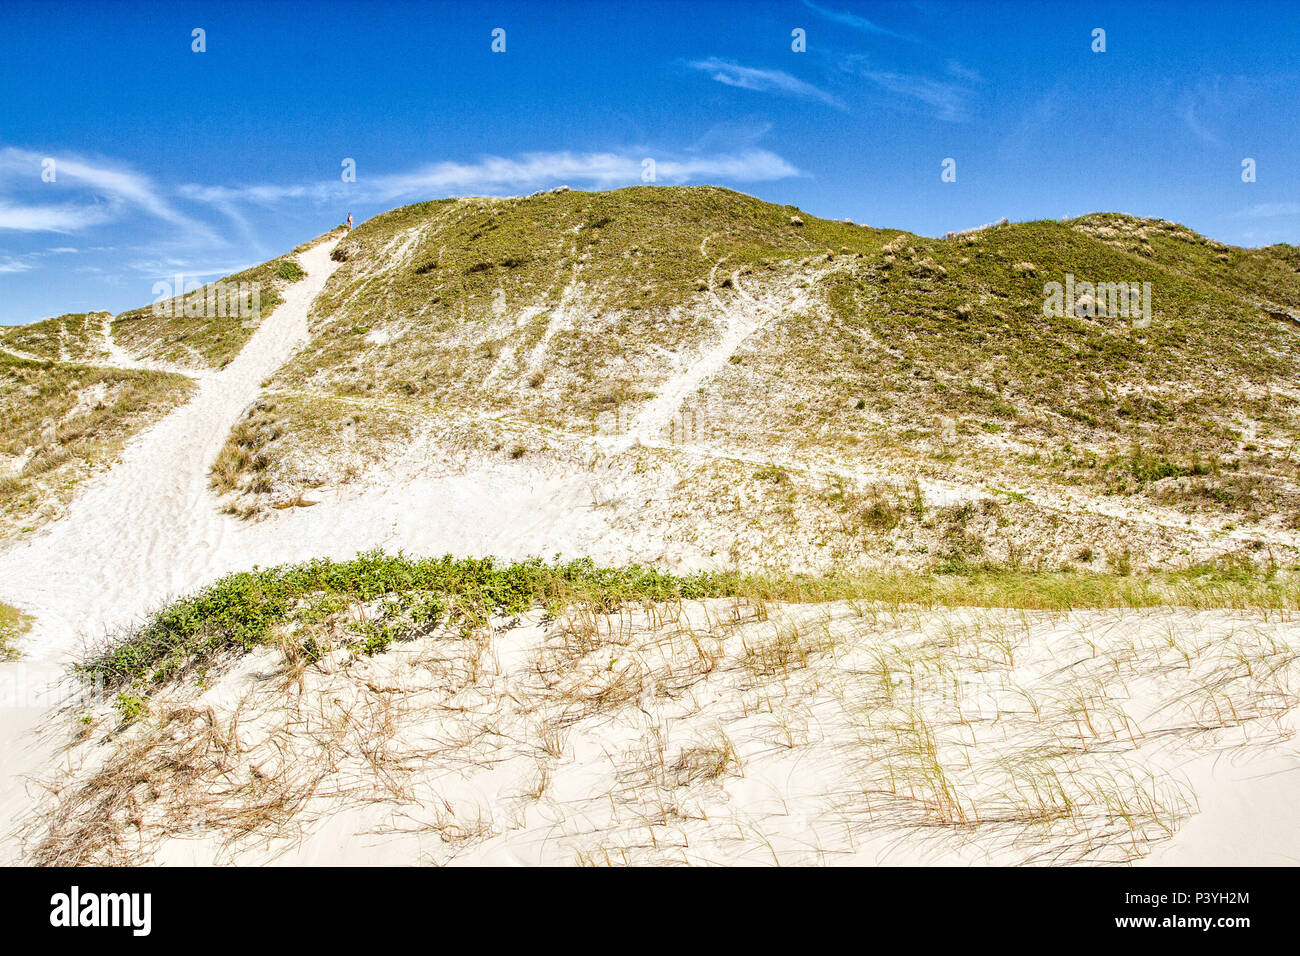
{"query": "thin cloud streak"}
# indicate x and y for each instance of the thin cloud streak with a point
(845, 18)
(65, 218)
(949, 100)
(106, 192)
(1268, 209)
(764, 81)
(496, 173)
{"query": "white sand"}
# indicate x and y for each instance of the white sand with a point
(149, 529)
(724, 733)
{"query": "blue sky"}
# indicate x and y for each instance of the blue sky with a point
(167, 160)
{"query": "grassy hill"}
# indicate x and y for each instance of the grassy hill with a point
(772, 388)
(850, 374)
(460, 302)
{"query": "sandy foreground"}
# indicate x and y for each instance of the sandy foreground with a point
(714, 732)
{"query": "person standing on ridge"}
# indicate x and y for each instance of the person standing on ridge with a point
(349, 222)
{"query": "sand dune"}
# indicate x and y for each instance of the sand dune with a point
(709, 733)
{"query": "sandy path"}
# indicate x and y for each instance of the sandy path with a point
(148, 527)
(740, 319)
(21, 355)
(143, 531)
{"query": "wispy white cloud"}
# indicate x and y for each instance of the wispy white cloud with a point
(98, 192)
(195, 269)
(61, 217)
(1199, 129)
(848, 19)
(950, 101)
(1215, 107)
(30, 260)
(268, 194)
(9, 264)
(761, 80)
(594, 169)
(964, 73)
(496, 174)
(104, 193)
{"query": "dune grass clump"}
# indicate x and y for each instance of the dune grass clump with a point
(241, 611)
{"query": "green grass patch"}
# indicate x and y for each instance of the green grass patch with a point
(407, 597)
(76, 337)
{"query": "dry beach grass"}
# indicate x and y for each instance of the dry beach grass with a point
(735, 729)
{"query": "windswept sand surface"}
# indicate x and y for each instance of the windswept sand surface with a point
(710, 733)
(717, 732)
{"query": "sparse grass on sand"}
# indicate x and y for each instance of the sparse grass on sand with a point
(410, 597)
(64, 419)
(75, 337)
(13, 624)
(210, 341)
(653, 728)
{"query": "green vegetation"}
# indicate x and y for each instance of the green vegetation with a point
(62, 420)
(289, 271)
(638, 248)
(1271, 274)
(76, 337)
(366, 604)
(13, 624)
(558, 315)
(955, 330)
(210, 341)
(427, 301)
